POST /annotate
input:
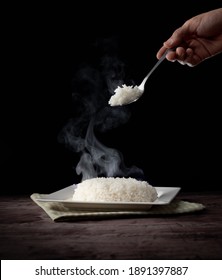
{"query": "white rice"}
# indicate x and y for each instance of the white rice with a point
(111, 189)
(124, 95)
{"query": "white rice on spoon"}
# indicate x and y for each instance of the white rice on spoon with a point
(125, 95)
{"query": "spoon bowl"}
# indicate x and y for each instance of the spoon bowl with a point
(128, 94)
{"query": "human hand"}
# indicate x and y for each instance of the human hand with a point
(197, 39)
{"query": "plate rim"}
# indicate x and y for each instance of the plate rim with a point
(113, 203)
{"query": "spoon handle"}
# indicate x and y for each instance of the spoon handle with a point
(154, 67)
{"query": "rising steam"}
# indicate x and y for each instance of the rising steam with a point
(92, 113)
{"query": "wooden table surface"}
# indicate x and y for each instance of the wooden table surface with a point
(28, 233)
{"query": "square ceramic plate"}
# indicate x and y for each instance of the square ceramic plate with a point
(64, 197)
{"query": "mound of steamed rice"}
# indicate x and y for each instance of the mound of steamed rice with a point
(124, 95)
(114, 190)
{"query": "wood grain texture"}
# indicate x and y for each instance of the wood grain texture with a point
(28, 233)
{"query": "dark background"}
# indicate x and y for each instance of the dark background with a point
(174, 131)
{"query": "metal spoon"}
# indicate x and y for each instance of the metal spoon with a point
(129, 94)
(142, 85)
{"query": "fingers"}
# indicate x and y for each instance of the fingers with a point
(171, 55)
(187, 57)
(172, 43)
(161, 52)
(183, 55)
(177, 45)
(179, 54)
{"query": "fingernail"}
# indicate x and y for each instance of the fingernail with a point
(181, 62)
